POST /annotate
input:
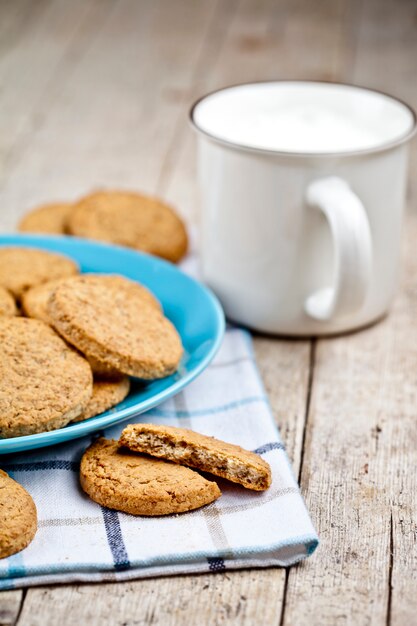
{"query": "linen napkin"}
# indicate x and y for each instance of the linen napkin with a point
(78, 540)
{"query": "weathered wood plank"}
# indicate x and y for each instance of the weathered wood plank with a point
(188, 600)
(15, 16)
(115, 109)
(10, 603)
(393, 27)
(342, 470)
(37, 48)
(134, 113)
(359, 470)
(401, 440)
(285, 371)
(359, 456)
(401, 45)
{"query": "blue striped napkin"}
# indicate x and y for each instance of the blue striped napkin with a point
(78, 540)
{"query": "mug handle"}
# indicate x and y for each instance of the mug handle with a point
(352, 242)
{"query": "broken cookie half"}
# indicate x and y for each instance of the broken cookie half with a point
(207, 454)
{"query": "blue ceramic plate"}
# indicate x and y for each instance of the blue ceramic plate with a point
(193, 309)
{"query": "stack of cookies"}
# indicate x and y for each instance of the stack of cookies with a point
(119, 217)
(69, 342)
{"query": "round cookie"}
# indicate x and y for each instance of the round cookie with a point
(22, 268)
(106, 394)
(48, 218)
(34, 305)
(132, 220)
(44, 383)
(7, 303)
(116, 327)
(35, 300)
(18, 518)
(140, 485)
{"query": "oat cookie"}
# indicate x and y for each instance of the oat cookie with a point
(105, 370)
(22, 268)
(18, 518)
(44, 383)
(34, 304)
(204, 453)
(35, 300)
(141, 485)
(116, 327)
(7, 303)
(106, 394)
(130, 219)
(102, 370)
(48, 218)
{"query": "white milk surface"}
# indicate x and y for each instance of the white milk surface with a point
(303, 117)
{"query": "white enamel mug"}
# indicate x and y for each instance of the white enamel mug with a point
(303, 187)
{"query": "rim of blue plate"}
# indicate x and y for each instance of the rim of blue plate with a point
(80, 429)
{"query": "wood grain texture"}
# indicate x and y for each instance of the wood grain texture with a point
(191, 600)
(396, 71)
(10, 604)
(38, 50)
(358, 476)
(98, 94)
(285, 371)
(361, 436)
(400, 431)
(113, 108)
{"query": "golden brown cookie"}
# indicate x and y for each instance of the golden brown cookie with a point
(102, 370)
(48, 218)
(204, 453)
(35, 300)
(7, 303)
(141, 485)
(22, 268)
(44, 383)
(130, 219)
(116, 327)
(18, 518)
(122, 283)
(106, 394)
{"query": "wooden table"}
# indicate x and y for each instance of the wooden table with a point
(96, 92)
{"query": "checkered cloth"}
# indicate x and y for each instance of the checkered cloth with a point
(78, 540)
